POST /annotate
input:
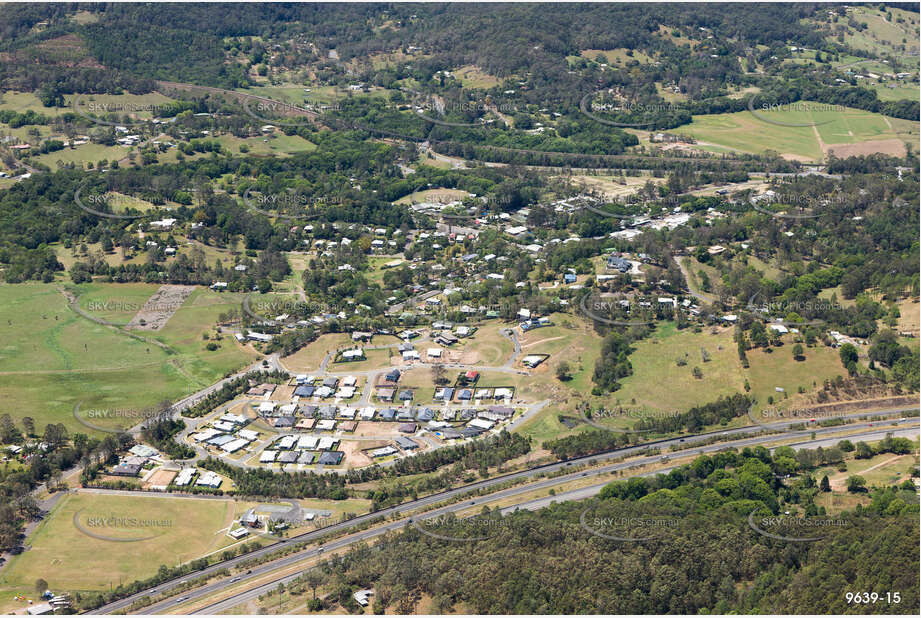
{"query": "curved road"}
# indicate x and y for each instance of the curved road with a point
(480, 485)
(531, 504)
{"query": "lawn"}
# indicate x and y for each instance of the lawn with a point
(277, 143)
(82, 154)
(474, 77)
(54, 359)
(441, 196)
(659, 383)
(61, 553)
(747, 132)
(310, 356)
(490, 347)
(777, 368)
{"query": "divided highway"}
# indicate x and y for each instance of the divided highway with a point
(485, 484)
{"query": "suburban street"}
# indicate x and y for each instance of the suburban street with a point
(745, 439)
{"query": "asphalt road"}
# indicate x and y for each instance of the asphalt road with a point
(576, 494)
(484, 484)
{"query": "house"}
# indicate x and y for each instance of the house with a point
(348, 426)
(304, 391)
(331, 382)
(326, 425)
(464, 394)
(569, 278)
(387, 414)
(424, 415)
(234, 445)
(163, 224)
(410, 355)
(209, 479)
(471, 376)
(330, 458)
(385, 394)
(434, 352)
(353, 355)
(615, 262)
(142, 450)
(184, 477)
(267, 456)
(361, 336)
(481, 423)
(284, 422)
(126, 469)
(361, 597)
(287, 457)
(307, 443)
(383, 452)
(392, 376)
(406, 444)
(445, 339)
(533, 360)
(407, 428)
(502, 411)
(406, 395)
(444, 394)
(238, 533)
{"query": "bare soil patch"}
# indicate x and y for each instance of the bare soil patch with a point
(160, 307)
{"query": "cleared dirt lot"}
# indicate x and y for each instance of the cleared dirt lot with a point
(160, 307)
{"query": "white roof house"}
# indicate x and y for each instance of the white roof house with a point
(267, 456)
(308, 443)
(481, 423)
(236, 445)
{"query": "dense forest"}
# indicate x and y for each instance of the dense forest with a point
(694, 549)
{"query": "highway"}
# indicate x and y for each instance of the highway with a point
(909, 428)
(491, 482)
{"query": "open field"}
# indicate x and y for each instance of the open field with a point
(658, 383)
(276, 143)
(845, 130)
(93, 153)
(433, 195)
(180, 529)
(55, 359)
(880, 35)
(474, 77)
(618, 56)
(770, 370)
(311, 355)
